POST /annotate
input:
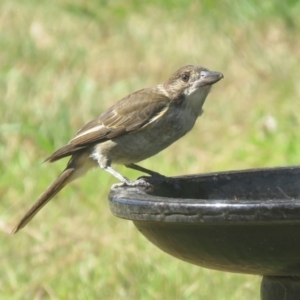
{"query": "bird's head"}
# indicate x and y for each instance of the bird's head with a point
(189, 80)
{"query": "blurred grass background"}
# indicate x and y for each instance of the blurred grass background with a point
(63, 62)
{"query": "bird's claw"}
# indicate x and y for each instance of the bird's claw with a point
(138, 182)
(163, 179)
(149, 181)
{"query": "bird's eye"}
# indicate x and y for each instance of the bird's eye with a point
(185, 77)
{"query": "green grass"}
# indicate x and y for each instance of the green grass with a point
(63, 62)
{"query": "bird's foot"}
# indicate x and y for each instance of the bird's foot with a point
(155, 177)
(150, 181)
(158, 178)
(138, 182)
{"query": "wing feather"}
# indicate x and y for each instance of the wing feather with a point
(128, 115)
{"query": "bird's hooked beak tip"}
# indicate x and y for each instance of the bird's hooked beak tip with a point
(210, 77)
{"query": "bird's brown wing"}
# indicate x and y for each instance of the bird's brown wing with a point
(129, 114)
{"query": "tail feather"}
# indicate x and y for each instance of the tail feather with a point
(64, 178)
(78, 165)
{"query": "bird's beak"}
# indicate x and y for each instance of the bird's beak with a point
(209, 77)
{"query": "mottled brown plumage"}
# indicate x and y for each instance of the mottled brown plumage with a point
(128, 115)
(135, 128)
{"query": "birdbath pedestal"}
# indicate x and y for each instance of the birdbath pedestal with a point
(237, 221)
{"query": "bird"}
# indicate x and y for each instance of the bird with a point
(135, 128)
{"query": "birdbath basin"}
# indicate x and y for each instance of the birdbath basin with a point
(237, 221)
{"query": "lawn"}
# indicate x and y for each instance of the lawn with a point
(64, 62)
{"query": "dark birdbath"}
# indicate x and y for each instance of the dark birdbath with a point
(238, 221)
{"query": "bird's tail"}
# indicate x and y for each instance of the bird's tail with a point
(76, 167)
(64, 178)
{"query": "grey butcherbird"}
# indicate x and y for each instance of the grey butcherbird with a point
(135, 128)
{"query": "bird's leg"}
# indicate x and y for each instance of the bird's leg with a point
(113, 172)
(105, 165)
(154, 175)
(144, 170)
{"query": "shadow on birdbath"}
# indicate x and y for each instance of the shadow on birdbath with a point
(238, 221)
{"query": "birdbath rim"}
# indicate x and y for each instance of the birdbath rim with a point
(272, 201)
